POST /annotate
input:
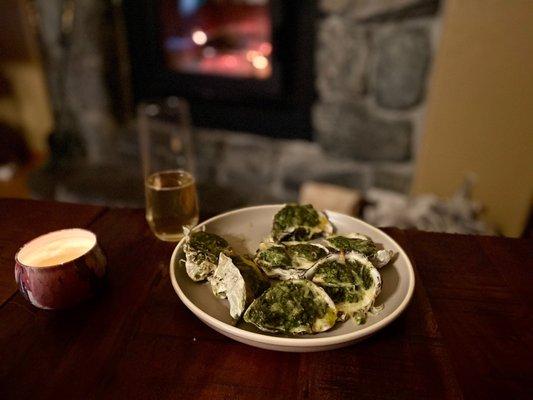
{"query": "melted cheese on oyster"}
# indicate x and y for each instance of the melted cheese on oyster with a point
(361, 244)
(299, 223)
(351, 281)
(288, 260)
(294, 307)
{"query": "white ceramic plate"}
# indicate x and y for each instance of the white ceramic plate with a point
(244, 229)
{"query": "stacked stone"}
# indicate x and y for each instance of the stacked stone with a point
(372, 63)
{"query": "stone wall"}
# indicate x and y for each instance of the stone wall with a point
(266, 170)
(372, 63)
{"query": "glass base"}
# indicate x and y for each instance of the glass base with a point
(169, 237)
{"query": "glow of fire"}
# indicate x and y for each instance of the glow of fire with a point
(199, 37)
(230, 61)
(251, 54)
(265, 48)
(260, 62)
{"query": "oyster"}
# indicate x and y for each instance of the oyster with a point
(201, 253)
(361, 244)
(304, 255)
(299, 223)
(294, 306)
(288, 260)
(239, 280)
(275, 262)
(351, 281)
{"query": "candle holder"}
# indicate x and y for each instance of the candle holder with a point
(60, 269)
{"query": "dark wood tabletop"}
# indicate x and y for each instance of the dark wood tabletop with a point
(467, 332)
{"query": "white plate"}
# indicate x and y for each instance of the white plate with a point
(244, 229)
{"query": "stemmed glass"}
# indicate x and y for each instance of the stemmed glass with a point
(168, 164)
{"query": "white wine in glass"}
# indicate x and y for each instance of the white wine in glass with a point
(166, 148)
(171, 203)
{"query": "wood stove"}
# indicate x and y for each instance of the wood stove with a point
(244, 65)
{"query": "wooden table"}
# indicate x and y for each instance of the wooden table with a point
(466, 333)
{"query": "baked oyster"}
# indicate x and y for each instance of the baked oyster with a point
(288, 260)
(296, 222)
(292, 307)
(351, 281)
(239, 280)
(201, 253)
(361, 244)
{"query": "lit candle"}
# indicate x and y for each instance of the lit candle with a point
(60, 269)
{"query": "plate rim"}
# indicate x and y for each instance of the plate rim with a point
(284, 341)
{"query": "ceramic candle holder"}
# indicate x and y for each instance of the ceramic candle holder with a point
(60, 269)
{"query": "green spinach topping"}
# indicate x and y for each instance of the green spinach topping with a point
(333, 273)
(342, 243)
(348, 294)
(286, 306)
(343, 282)
(362, 274)
(297, 217)
(275, 256)
(307, 251)
(208, 246)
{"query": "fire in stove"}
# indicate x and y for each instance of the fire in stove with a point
(217, 37)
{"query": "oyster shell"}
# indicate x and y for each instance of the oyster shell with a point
(288, 260)
(294, 306)
(201, 253)
(239, 280)
(351, 281)
(299, 223)
(361, 244)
